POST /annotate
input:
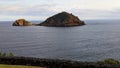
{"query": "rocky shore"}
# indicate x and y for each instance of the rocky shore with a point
(53, 63)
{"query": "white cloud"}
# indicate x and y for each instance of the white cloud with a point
(85, 9)
(28, 12)
(96, 13)
(25, 10)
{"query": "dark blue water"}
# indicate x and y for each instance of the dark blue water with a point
(97, 40)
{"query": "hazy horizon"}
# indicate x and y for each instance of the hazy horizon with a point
(42, 9)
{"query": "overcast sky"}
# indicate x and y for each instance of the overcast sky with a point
(42, 9)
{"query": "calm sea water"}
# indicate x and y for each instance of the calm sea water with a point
(97, 40)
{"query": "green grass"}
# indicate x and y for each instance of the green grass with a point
(17, 66)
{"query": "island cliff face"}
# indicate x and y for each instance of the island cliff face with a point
(63, 19)
(22, 22)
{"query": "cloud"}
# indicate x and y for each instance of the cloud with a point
(42, 11)
(34, 10)
(96, 13)
(22, 11)
(9, 0)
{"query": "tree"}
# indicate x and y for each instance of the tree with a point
(11, 54)
(4, 55)
(0, 54)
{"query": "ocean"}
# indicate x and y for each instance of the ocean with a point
(97, 40)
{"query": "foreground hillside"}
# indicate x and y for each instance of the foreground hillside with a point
(16, 66)
(56, 63)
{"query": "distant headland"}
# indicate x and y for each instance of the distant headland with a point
(63, 19)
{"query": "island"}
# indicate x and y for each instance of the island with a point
(22, 22)
(63, 19)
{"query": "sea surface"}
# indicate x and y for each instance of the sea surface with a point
(98, 40)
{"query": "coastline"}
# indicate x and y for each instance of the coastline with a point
(53, 63)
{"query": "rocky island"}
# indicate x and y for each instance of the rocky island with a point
(22, 22)
(63, 19)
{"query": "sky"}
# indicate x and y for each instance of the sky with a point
(41, 9)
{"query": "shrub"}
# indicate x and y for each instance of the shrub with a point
(111, 61)
(11, 54)
(6, 55)
(0, 54)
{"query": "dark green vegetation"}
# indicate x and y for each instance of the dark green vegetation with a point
(6, 54)
(56, 63)
(110, 61)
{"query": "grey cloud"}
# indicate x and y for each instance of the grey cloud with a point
(37, 10)
(95, 13)
(45, 10)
